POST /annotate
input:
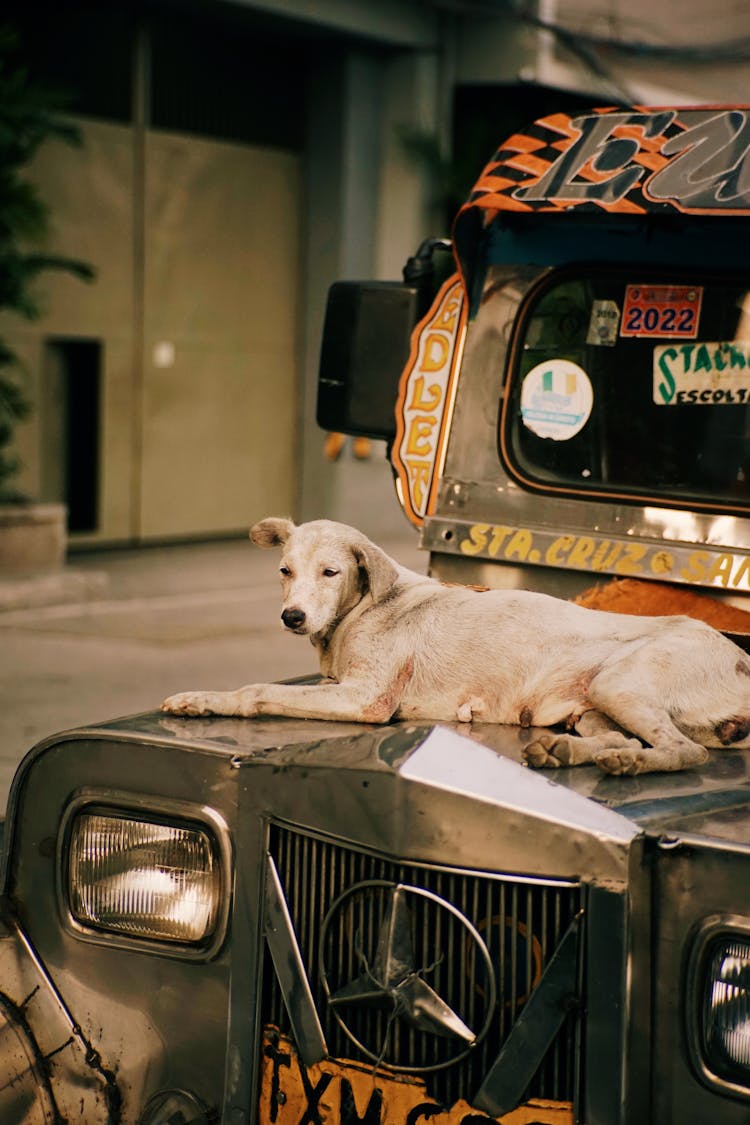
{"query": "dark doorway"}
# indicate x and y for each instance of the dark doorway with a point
(69, 426)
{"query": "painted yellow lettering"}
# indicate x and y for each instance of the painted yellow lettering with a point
(499, 535)
(477, 540)
(721, 570)
(520, 545)
(556, 552)
(419, 474)
(613, 556)
(695, 571)
(743, 571)
(661, 562)
(582, 549)
(447, 318)
(600, 554)
(425, 402)
(420, 430)
(630, 563)
(435, 352)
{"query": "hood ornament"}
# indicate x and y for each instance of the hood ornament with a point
(394, 980)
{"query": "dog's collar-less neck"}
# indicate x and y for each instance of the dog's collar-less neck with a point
(322, 641)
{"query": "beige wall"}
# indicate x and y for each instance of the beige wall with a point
(204, 261)
(90, 192)
(221, 291)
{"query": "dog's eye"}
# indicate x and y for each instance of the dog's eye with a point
(329, 572)
(285, 571)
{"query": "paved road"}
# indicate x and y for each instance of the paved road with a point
(167, 619)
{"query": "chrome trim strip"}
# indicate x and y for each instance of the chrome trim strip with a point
(290, 971)
(534, 1030)
(593, 552)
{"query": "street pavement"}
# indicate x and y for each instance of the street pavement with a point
(138, 625)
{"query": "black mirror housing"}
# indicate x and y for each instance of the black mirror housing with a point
(365, 346)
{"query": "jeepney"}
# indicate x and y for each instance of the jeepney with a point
(294, 922)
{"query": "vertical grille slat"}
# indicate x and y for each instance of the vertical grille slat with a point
(521, 923)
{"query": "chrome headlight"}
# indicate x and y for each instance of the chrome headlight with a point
(143, 878)
(719, 994)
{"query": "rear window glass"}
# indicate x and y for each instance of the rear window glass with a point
(633, 384)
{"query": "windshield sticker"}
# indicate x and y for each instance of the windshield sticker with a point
(662, 310)
(604, 322)
(702, 374)
(556, 399)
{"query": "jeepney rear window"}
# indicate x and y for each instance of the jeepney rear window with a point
(633, 384)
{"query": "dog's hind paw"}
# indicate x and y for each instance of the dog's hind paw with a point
(625, 761)
(550, 751)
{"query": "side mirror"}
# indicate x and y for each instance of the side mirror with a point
(365, 346)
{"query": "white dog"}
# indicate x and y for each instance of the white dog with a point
(395, 644)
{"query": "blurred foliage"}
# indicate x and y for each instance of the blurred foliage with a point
(29, 115)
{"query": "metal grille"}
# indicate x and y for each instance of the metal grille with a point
(520, 922)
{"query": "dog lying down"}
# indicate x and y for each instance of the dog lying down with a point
(643, 693)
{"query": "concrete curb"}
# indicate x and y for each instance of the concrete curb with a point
(53, 588)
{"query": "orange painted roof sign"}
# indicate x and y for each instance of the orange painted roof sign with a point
(631, 161)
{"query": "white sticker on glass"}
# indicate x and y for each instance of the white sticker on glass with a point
(556, 399)
(702, 374)
(604, 324)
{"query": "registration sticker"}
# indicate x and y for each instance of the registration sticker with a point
(668, 311)
(341, 1092)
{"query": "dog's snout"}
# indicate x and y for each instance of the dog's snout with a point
(293, 618)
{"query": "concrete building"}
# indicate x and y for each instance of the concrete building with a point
(238, 158)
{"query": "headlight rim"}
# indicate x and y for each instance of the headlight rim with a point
(713, 930)
(155, 810)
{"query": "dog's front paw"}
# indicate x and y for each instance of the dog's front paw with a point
(189, 703)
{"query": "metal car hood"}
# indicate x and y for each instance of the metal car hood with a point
(712, 801)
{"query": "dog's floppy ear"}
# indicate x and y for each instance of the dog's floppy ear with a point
(271, 532)
(379, 569)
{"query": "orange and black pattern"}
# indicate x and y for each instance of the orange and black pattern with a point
(525, 157)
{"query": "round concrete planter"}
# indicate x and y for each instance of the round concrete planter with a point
(33, 537)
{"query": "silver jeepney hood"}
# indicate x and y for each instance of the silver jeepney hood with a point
(447, 789)
(482, 764)
(446, 813)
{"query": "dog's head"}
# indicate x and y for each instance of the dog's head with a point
(326, 569)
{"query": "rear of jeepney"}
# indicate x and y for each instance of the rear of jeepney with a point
(575, 406)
